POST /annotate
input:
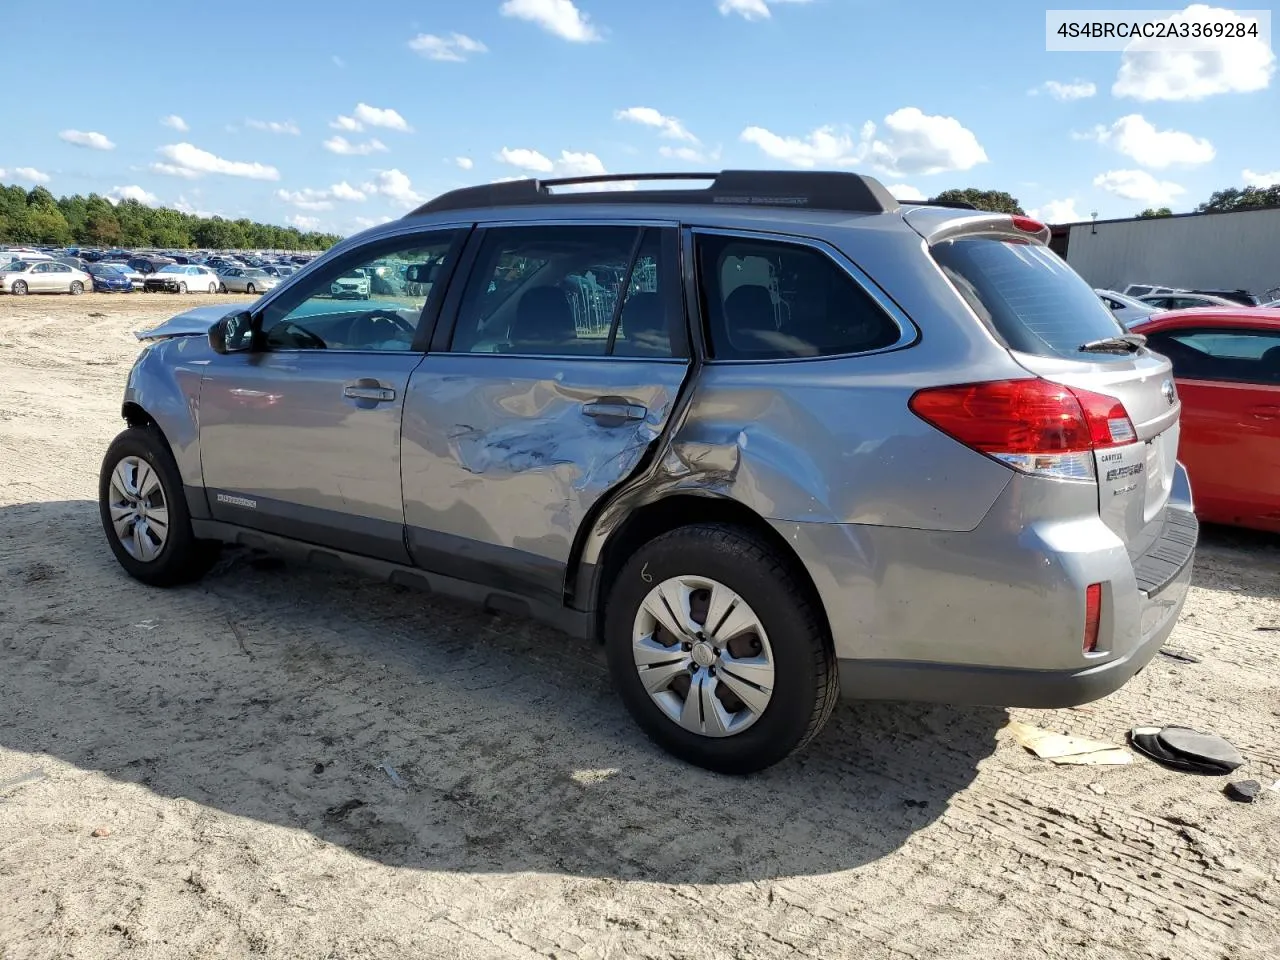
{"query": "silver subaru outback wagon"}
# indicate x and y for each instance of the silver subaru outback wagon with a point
(774, 439)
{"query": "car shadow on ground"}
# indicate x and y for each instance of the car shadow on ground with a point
(422, 733)
(1219, 557)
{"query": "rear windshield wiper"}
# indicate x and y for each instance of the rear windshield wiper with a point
(1124, 343)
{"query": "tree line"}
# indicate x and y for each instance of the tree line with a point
(1222, 201)
(36, 216)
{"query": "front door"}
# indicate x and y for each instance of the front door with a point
(565, 357)
(300, 435)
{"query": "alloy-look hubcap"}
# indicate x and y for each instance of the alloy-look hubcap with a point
(703, 656)
(139, 512)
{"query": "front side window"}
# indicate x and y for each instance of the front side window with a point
(573, 290)
(772, 300)
(374, 301)
(1228, 355)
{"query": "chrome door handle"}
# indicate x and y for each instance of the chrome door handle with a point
(613, 411)
(377, 394)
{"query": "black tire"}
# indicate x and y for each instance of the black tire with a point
(19, 288)
(248, 288)
(213, 288)
(222, 288)
(183, 558)
(805, 685)
(77, 288)
(182, 287)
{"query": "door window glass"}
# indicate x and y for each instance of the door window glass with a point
(371, 302)
(562, 290)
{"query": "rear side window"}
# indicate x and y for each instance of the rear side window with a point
(1028, 296)
(772, 300)
(1234, 356)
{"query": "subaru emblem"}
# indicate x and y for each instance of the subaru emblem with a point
(1167, 390)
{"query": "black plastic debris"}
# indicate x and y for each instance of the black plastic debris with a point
(1180, 655)
(1243, 791)
(1182, 748)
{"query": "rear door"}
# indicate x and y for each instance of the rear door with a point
(1229, 380)
(1045, 314)
(565, 353)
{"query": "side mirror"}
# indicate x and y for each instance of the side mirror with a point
(233, 333)
(421, 272)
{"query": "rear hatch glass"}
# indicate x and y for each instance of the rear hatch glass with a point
(1044, 312)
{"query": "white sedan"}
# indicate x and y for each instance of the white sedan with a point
(47, 276)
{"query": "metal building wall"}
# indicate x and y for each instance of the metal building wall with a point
(1226, 250)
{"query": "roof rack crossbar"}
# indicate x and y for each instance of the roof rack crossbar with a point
(813, 190)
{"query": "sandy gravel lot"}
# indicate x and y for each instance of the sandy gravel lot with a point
(228, 738)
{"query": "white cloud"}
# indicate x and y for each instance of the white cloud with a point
(344, 147)
(1262, 180)
(573, 164)
(29, 174)
(464, 163)
(688, 154)
(826, 146)
(81, 138)
(904, 192)
(649, 117)
(133, 192)
(347, 123)
(1139, 140)
(916, 143)
(454, 48)
(183, 205)
(1138, 185)
(380, 117)
(312, 199)
(1066, 92)
(274, 126)
(525, 159)
(560, 17)
(751, 9)
(366, 222)
(189, 161)
(1057, 211)
(395, 186)
(174, 122)
(1235, 65)
(302, 222)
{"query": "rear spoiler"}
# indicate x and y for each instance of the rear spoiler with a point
(938, 224)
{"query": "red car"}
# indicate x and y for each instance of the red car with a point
(1226, 362)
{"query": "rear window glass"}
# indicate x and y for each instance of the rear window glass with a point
(1028, 296)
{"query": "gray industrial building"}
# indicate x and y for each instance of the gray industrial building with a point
(1239, 250)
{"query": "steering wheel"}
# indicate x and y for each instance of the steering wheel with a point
(297, 336)
(361, 327)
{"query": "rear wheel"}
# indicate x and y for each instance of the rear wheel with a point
(717, 650)
(19, 288)
(144, 512)
(77, 288)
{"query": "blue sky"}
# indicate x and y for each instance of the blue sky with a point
(337, 117)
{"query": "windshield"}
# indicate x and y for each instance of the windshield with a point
(16, 266)
(1027, 295)
(103, 270)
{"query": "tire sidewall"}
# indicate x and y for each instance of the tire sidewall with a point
(786, 721)
(20, 288)
(77, 288)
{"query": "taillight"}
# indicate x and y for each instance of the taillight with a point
(1092, 616)
(1037, 427)
(1027, 225)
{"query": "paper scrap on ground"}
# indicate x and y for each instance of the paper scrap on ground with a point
(1063, 749)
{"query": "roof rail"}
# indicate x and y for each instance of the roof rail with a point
(812, 190)
(956, 204)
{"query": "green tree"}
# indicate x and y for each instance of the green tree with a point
(101, 229)
(1250, 198)
(994, 201)
(1151, 212)
(48, 226)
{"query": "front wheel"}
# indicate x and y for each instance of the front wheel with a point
(213, 288)
(19, 288)
(717, 649)
(77, 288)
(144, 512)
(182, 287)
(222, 288)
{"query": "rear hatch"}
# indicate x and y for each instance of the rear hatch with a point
(1055, 327)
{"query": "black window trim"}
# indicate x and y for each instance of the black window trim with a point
(344, 258)
(908, 332)
(1173, 332)
(668, 245)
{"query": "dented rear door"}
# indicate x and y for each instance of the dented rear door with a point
(504, 452)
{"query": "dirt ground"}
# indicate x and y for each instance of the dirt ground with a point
(229, 739)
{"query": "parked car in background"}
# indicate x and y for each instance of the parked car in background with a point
(1226, 362)
(1242, 297)
(108, 279)
(9, 254)
(356, 284)
(1145, 290)
(148, 265)
(1183, 300)
(135, 277)
(182, 278)
(669, 462)
(1126, 309)
(246, 280)
(44, 276)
